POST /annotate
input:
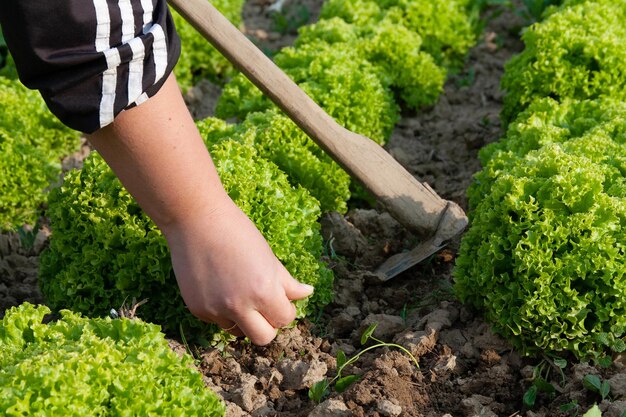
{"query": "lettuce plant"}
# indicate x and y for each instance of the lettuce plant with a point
(276, 138)
(198, 59)
(573, 53)
(78, 366)
(32, 143)
(105, 250)
(339, 79)
(547, 121)
(544, 257)
(445, 26)
(394, 50)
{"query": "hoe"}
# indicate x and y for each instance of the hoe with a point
(413, 204)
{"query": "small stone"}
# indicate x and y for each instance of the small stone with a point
(436, 321)
(41, 239)
(477, 406)
(580, 370)
(419, 343)
(331, 408)
(615, 409)
(299, 374)
(266, 410)
(354, 311)
(388, 408)
(342, 324)
(618, 386)
(247, 396)
(233, 410)
(387, 326)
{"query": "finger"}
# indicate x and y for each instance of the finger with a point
(293, 289)
(257, 328)
(229, 326)
(279, 312)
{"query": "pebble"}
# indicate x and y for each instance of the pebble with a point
(299, 374)
(331, 408)
(388, 408)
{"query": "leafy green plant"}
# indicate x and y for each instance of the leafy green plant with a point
(198, 59)
(278, 139)
(393, 49)
(541, 380)
(445, 26)
(320, 389)
(32, 143)
(594, 384)
(338, 78)
(571, 54)
(543, 256)
(79, 366)
(105, 250)
(547, 121)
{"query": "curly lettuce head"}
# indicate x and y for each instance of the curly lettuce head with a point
(78, 366)
(545, 255)
(573, 53)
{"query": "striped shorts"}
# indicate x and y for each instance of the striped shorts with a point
(91, 59)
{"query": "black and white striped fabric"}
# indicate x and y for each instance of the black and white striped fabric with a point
(91, 59)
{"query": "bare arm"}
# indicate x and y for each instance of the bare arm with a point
(226, 271)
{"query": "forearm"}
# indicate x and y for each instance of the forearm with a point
(162, 161)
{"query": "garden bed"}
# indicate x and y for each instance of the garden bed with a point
(465, 370)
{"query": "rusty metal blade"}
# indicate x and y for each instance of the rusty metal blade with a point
(402, 261)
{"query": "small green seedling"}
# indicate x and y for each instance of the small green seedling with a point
(571, 406)
(541, 377)
(594, 384)
(322, 388)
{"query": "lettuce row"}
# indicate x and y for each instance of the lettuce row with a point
(545, 255)
(106, 251)
(546, 121)
(32, 143)
(78, 366)
(574, 53)
(198, 59)
(445, 26)
(336, 77)
(391, 48)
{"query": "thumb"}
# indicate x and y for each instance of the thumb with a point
(295, 290)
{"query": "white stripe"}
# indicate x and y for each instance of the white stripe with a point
(135, 70)
(148, 9)
(128, 20)
(159, 50)
(103, 25)
(142, 98)
(109, 77)
(109, 85)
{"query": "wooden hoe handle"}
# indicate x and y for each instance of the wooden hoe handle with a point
(414, 205)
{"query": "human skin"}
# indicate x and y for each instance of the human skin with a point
(225, 269)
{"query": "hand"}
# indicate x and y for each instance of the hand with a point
(228, 274)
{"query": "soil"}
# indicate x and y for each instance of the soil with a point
(464, 369)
